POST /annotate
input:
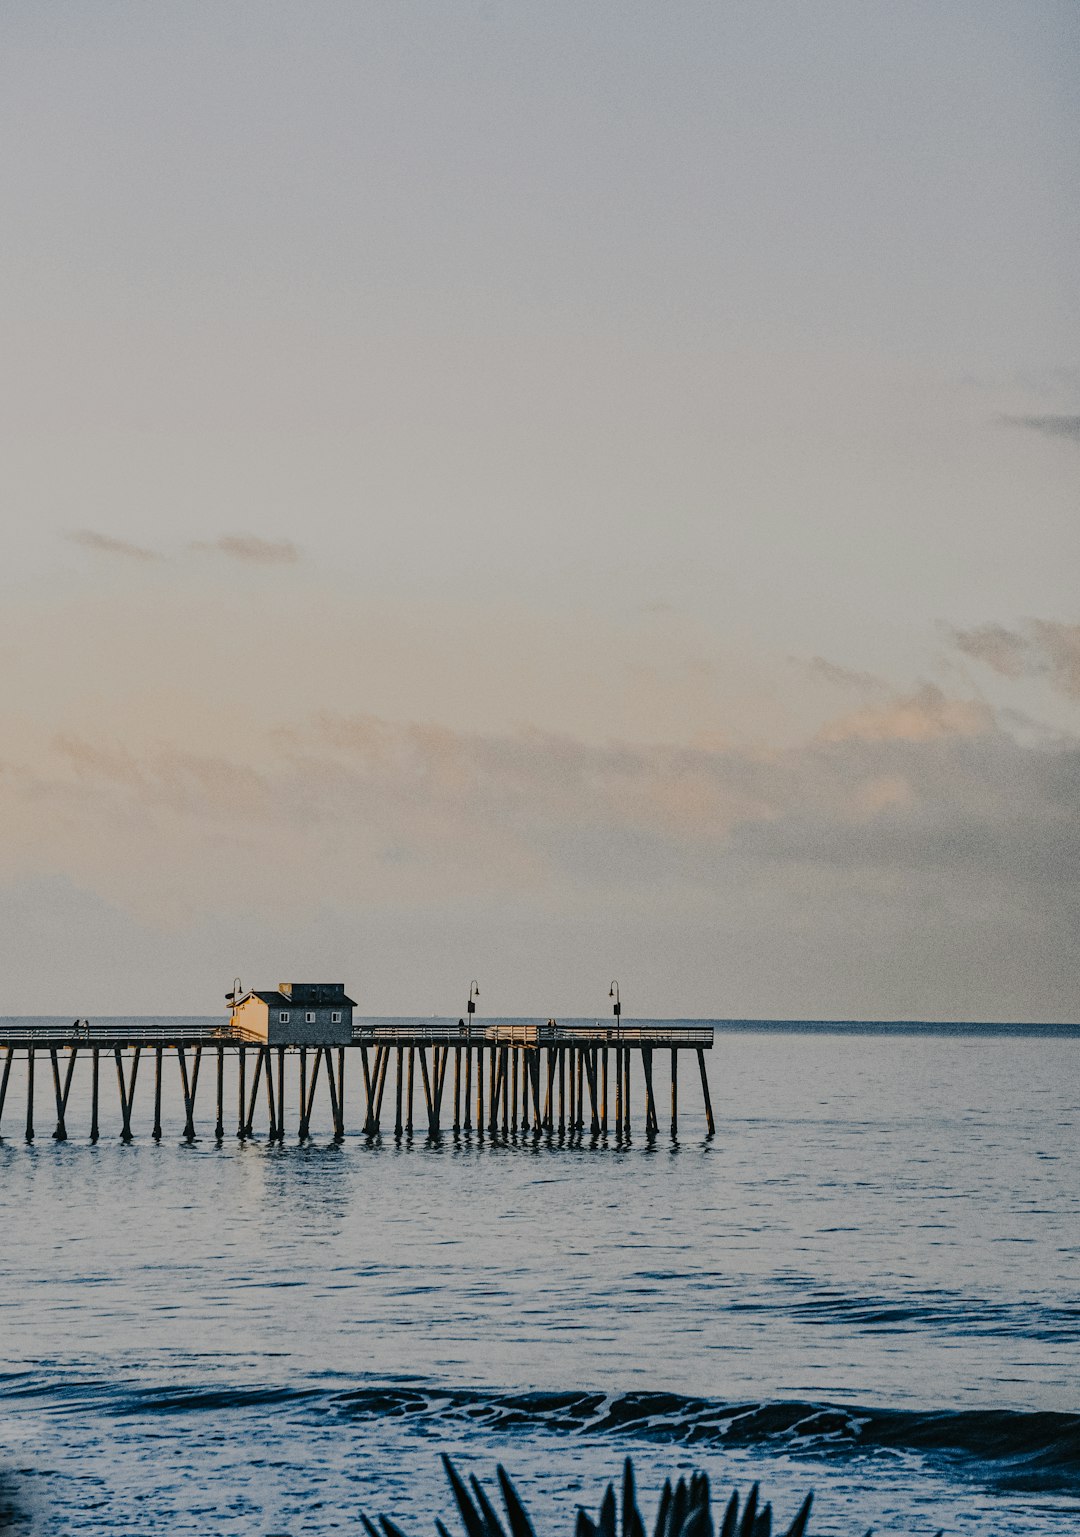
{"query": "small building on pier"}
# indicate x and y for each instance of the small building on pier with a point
(294, 1014)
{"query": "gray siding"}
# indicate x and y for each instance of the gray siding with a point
(318, 1032)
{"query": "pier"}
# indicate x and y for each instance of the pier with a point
(509, 1081)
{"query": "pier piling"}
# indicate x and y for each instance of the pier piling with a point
(521, 1069)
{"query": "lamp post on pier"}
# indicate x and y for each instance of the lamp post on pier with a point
(470, 1010)
(613, 992)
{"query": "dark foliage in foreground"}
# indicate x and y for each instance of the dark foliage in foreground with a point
(685, 1511)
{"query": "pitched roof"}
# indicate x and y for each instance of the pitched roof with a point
(276, 999)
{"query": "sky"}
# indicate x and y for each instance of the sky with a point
(541, 494)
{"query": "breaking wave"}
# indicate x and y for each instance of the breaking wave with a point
(1012, 1449)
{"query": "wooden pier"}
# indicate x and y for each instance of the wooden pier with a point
(495, 1082)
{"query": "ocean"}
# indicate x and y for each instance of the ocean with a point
(867, 1283)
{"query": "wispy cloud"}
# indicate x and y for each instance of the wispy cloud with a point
(920, 717)
(1051, 426)
(1004, 651)
(105, 544)
(1043, 648)
(250, 548)
(843, 677)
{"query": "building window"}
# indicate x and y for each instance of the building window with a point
(283, 1019)
(335, 1019)
(310, 1018)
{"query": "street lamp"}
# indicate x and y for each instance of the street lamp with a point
(474, 993)
(622, 1071)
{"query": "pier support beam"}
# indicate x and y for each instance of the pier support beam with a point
(159, 1053)
(127, 1089)
(60, 1134)
(189, 1089)
(30, 1094)
(271, 1109)
(651, 1123)
(705, 1094)
(674, 1094)
(95, 1088)
(618, 1093)
(305, 1116)
(249, 1114)
(8, 1059)
(241, 1086)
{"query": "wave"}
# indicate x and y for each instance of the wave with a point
(1034, 1450)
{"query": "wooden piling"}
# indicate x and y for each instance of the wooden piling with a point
(271, 1108)
(603, 1089)
(302, 1127)
(189, 1088)
(219, 1123)
(626, 1093)
(591, 1064)
(159, 1052)
(674, 1093)
(241, 1117)
(29, 1094)
(249, 1117)
(10, 1057)
(618, 1093)
(429, 1098)
(457, 1089)
(409, 1094)
(340, 1090)
(328, 1057)
(309, 1103)
(467, 1121)
(62, 1094)
(400, 1074)
(95, 1081)
(706, 1096)
(381, 1085)
(127, 1089)
(651, 1122)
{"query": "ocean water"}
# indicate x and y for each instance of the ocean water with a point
(866, 1284)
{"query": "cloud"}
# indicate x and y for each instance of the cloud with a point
(918, 830)
(1052, 426)
(1006, 652)
(919, 717)
(1044, 648)
(250, 548)
(843, 677)
(105, 544)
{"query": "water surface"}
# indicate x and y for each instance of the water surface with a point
(866, 1283)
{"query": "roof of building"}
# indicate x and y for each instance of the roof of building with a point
(273, 997)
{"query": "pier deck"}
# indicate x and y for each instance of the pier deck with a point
(509, 1079)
